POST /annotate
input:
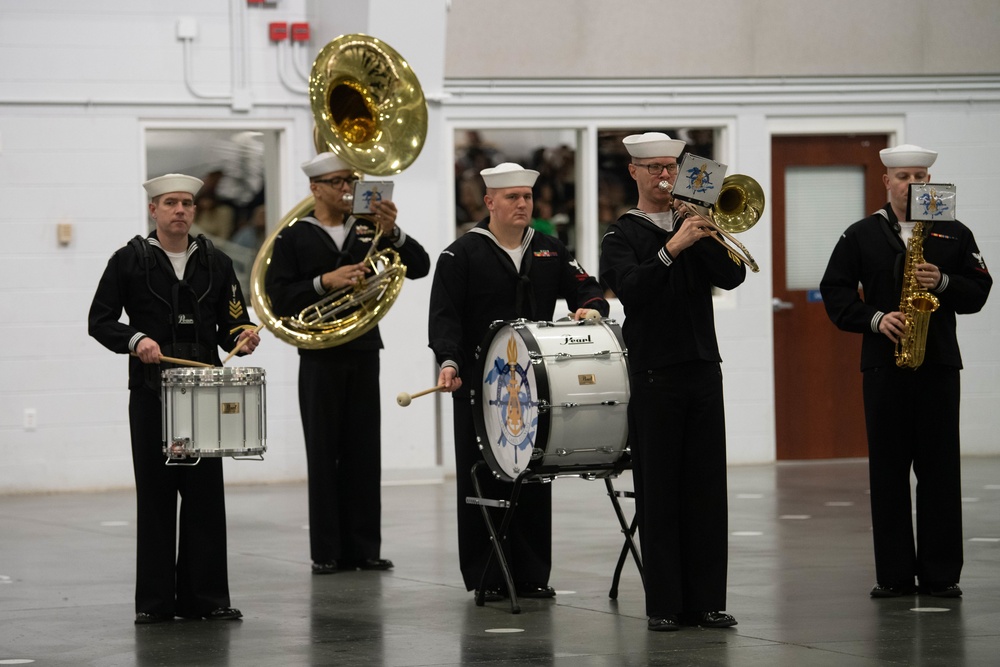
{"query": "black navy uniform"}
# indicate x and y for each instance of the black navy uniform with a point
(338, 391)
(475, 284)
(185, 574)
(912, 416)
(676, 414)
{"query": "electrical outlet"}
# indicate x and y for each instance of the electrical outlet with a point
(30, 419)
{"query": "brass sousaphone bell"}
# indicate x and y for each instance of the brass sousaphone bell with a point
(370, 110)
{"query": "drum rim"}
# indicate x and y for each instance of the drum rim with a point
(234, 376)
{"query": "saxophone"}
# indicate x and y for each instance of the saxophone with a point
(916, 304)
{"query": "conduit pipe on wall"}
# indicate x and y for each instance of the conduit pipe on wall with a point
(294, 86)
(239, 96)
(303, 71)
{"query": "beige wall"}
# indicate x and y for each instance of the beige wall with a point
(720, 38)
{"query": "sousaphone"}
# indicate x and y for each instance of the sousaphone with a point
(370, 110)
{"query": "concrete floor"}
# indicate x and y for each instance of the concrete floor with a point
(799, 574)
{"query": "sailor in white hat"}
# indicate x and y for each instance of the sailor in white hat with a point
(654, 169)
(171, 206)
(323, 256)
(501, 269)
(331, 181)
(510, 202)
(182, 294)
(918, 543)
(664, 278)
(905, 164)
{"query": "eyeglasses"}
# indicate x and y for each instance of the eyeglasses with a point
(655, 169)
(336, 181)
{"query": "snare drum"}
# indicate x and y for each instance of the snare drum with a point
(214, 412)
(553, 399)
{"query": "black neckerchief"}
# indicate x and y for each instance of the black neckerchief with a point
(524, 298)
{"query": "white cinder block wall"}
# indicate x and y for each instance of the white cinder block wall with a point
(80, 83)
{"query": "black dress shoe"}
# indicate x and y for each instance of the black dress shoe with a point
(147, 618)
(373, 564)
(709, 619)
(492, 594)
(942, 590)
(325, 568)
(218, 614)
(899, 590)
(539, 591)
(663, 624)
(223, 614)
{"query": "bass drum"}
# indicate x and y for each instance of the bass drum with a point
(553, 399)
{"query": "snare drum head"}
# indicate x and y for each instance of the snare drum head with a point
(509, 402)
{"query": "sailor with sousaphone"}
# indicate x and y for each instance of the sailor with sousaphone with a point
(326, 277)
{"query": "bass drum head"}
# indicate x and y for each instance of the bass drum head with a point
(507, 418)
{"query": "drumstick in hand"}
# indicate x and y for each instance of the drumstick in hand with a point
(404, 399)
(181, 362)
(240, 345)
(590, 315)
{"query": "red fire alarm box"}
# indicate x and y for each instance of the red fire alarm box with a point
(300, 32)
(278, 32)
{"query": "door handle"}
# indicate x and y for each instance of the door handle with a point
(777, 305)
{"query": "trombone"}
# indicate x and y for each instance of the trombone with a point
(738, 208)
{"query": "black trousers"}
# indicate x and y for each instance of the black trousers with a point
(185, 572)
(528, 548)
(341, 419)
(677, 434)
(912, 421)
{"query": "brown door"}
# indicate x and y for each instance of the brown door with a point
(817, 381)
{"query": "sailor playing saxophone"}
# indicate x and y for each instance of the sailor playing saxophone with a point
(911, 414)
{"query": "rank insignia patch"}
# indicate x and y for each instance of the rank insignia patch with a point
(235, 307)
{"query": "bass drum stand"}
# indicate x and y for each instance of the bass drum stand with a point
(498, 538)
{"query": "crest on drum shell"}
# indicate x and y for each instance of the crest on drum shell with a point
(511, 399)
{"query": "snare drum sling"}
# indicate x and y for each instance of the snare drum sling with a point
(192, 317)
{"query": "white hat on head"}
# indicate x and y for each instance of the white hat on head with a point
(324, 163)
(509, 175)
(161, 185)
(907, 155)
(652, 144)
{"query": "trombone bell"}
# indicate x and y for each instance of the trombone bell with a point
(738, 208)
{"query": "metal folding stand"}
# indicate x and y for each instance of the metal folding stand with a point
(496, 539)
(628, 530)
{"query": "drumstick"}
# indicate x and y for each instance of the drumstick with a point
(404, 399)
(181, 362)
(240, 345)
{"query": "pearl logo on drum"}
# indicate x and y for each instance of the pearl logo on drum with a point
(577, 340)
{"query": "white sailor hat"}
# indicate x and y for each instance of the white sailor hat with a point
(907, 155)
(508, 175)
(652, 144)
(161, 185)
(324, 163)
